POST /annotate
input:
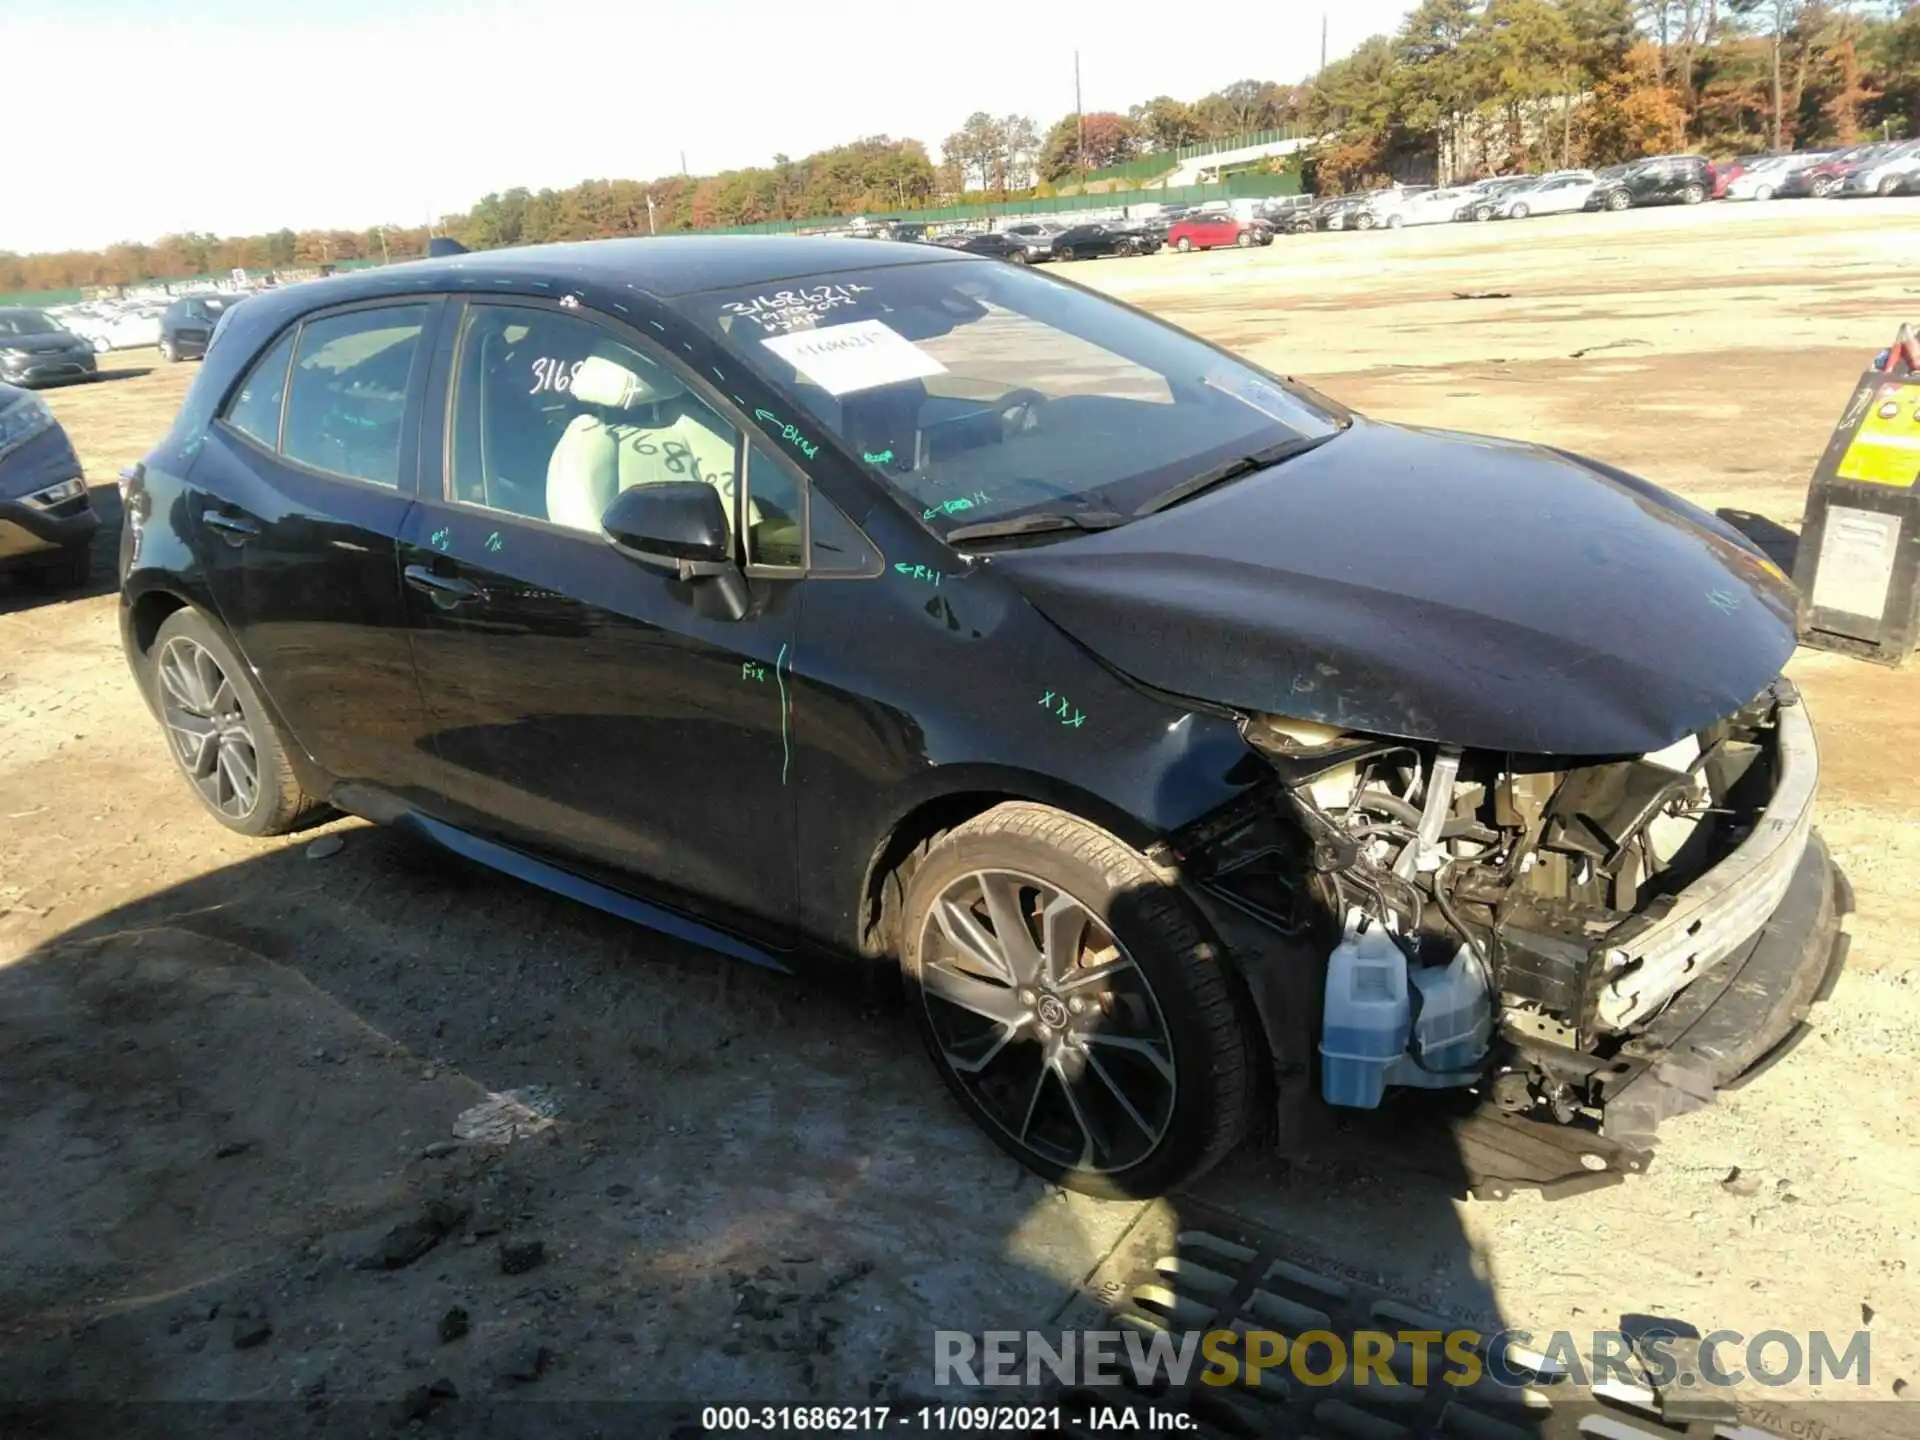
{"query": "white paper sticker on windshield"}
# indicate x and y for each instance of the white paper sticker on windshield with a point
(1252, 391)
(841, 359)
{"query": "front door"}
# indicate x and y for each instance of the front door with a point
(584, 705)
(296, 497)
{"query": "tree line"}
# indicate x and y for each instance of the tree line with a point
(1477, 87)
(1463, 88)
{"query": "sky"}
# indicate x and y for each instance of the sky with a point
(240, 116)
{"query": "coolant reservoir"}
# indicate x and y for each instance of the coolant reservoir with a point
(1452, 1022)
(1367, 1017)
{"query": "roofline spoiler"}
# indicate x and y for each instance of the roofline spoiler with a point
(440, 245)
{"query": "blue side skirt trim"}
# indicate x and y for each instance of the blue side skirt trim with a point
(574, 887)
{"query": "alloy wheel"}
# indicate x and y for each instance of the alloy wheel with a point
(1047, 1022)
(207, 727)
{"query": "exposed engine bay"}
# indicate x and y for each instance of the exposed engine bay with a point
(1504, 921)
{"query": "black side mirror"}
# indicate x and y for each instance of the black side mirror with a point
(680, 527)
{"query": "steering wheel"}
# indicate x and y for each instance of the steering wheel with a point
(1019, 411)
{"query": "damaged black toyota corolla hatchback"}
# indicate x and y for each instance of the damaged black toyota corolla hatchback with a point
(1195, 746)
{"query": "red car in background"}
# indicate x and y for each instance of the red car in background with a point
(1209, 232)
(1726, 170)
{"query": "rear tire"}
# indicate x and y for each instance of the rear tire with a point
(1693, 195)
(1822, 187)
(1363, 222)
(167, 352)
(1889, 185)
(220, 733)
(1183, 245)
(1076, 1004)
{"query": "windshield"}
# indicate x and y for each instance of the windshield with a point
(26, 322)
(982, 391)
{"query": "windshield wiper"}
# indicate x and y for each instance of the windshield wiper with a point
(1233, 470)
(1038, 522)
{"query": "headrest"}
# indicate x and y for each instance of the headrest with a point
(619, 386)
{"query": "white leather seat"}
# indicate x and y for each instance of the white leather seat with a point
(642, 428)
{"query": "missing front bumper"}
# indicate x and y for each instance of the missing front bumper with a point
(1737, 1021)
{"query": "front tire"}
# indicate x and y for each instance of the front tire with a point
(1075, 1003)
(1823, 187)
(1183, 245)
(1363, 222)
(220, 733)
(1693, 195)
(1889, 185)
(1618, 200)
(1763, 192)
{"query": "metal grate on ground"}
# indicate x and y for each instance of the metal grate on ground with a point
(1207, 1270)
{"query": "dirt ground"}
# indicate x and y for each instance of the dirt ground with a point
(231, 1072)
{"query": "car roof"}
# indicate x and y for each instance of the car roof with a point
(666, 266)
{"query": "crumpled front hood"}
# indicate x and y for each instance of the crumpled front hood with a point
(1434, 586)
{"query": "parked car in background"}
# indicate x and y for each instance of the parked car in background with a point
(1087, 242)
(36, 351)
(1142, 238)
(1657, 180)
(1484, 196)
(1387, 209)
(1725, 172)
(1430, 206)
(186, 327)
(1217, 229)
(1762, 178)
(1821, 178)
(1036, 236)
(992, 242)
(1283, 212)
(1560, 193)
(1889, 170)
(1344, 213)
(46, 516)
(114, 325)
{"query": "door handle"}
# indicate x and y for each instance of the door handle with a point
(445, 589)
(233, 527)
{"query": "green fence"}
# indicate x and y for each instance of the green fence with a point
(41, 298)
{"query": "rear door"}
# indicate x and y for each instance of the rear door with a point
(296, 498)
(582, 704)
